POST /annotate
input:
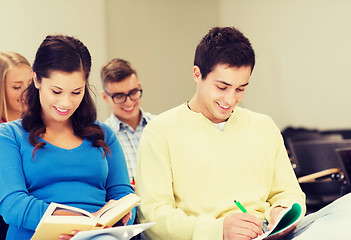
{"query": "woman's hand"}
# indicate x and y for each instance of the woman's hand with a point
(62, 212)
(67, 236)
(126, 218)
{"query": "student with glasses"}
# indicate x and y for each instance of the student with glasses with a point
(123, 92)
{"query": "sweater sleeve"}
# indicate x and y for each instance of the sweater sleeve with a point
(16, 206)
(154, 186)
(285, 189)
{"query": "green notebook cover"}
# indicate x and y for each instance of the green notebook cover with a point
(284, 223)
(288, 219)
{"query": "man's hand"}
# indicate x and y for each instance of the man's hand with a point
(241, 226)
(274, 214)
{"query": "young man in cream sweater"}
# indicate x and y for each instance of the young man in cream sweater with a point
(197, 158)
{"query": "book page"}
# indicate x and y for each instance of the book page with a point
(58, 211)
(106, 207)
(116, 210)
(120, 233)
(50, 214)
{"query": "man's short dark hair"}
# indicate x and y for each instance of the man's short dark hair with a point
(116, 70)
(225, 45)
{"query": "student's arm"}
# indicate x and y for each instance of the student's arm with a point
(16, 206)
(154, 186)
(117, 184)
(285, 189)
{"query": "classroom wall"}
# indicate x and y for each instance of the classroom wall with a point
(159, 38)
(303, 51)
(25, 24)
(303, 48)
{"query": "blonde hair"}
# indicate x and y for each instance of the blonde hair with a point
(7, 61)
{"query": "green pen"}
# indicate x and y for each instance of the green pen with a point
(264, 222)
(240, 206)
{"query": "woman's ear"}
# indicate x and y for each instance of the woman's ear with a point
(35, 80)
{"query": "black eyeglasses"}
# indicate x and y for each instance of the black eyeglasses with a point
(120, 98)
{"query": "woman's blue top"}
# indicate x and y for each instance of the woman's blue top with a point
(81, 177)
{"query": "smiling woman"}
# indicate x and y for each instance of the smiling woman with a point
(59, 152)
(15, 75)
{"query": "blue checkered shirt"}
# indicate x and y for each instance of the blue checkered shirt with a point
(129, 139)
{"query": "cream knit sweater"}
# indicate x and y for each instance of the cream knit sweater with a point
(190, 172)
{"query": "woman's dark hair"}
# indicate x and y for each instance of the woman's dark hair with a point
(225, 45)
(65, 54)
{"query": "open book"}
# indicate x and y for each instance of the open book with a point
(285, 222)
(120, 233)
(51, 225)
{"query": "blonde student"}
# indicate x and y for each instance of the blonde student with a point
(15, 76)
